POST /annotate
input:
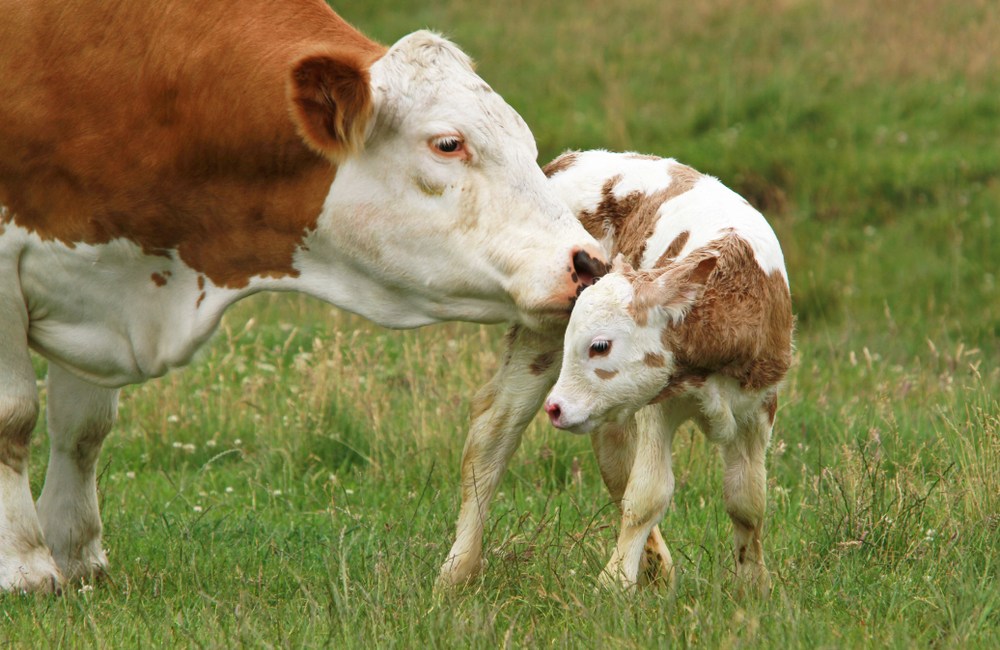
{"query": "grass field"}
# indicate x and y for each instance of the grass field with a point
(297, 485)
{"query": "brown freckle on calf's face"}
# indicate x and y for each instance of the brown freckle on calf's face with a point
(159, 279)
(605, 374)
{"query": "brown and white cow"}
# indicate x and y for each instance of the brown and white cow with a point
(701, 331)
(162, 160)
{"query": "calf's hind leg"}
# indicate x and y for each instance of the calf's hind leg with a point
(745, 494)
(80, 415)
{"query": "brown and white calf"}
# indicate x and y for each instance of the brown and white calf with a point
(693, 323)
(162, 160)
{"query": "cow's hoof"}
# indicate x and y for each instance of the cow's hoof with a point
(91, 566)
(36, 572)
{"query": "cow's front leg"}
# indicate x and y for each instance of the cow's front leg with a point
(501, 411)
(636, 466)
(80, 415)
(25, 561)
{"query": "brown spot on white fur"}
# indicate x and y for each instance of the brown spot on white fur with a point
(542, 363)
(654, 360)
(17, 420)
(674, 249)
(159, 279)
(605, 374)
(771, 407)
(632, 218)
(564, 161)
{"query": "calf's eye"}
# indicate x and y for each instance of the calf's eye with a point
(599, 348)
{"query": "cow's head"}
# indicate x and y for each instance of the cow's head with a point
(617, 355)
(438, 195)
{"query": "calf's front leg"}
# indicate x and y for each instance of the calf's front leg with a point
(636, 466)
(501, 411)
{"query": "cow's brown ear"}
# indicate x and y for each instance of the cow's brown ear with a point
(331, 102)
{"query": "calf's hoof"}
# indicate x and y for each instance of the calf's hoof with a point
(457, 572)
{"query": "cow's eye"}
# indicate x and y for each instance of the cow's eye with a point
(448, 145)
(599, 348)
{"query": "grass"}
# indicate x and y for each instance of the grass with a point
(297, 485)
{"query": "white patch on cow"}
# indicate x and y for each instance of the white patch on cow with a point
(102, 315)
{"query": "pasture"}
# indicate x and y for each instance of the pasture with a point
(297, 485)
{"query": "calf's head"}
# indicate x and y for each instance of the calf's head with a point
(616, 354)
(438, 193)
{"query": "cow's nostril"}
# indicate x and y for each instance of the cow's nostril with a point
(587, 268)
(554, 411)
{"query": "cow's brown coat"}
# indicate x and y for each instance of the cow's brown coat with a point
(184, 141)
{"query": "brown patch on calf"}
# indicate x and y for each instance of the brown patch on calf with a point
(561, 163)
(771, 407)
(741, 327)
(542, 363)
(654, 360)
(605, 374)
(680, 383)
(632, 218)
(159, 279)
(674, 249)
(201, 297)
(194, 151)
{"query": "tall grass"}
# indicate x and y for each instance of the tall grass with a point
(297, 486)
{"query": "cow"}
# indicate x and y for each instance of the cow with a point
(161, 160)
(693, 323)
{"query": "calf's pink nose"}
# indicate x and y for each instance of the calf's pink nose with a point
(554, 412)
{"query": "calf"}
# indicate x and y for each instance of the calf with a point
(693, 323)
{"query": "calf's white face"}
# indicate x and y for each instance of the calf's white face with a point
(455, 209)
(616, 358)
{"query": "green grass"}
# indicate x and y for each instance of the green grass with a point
(297, 485)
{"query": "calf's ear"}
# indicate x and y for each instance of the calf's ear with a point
(619, 265)
(678, 288)
(331, 102)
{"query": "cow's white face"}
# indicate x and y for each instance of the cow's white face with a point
(451, 207)
(616, 352)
